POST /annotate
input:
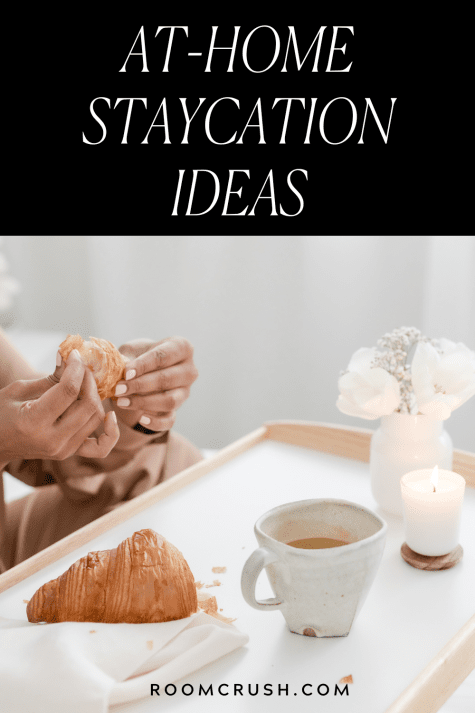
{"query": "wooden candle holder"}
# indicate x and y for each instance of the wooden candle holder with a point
(431, 563)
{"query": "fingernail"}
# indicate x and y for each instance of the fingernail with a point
(123, 402)
(145, 420)
(113, 416)
(130, 374)
(76, 354)
(120, 389)
(59, 360)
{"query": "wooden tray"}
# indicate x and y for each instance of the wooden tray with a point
(286, 463)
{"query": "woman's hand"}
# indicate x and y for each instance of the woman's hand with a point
(52, 417)
(157, 381)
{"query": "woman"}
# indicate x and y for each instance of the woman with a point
(85, 457)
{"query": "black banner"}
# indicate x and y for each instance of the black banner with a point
(117, 123)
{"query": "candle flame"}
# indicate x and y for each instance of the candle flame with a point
(434, 478)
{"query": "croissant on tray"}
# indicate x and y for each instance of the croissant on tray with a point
(143, 580)
(105, 361)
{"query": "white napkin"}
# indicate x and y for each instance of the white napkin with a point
(51, 668)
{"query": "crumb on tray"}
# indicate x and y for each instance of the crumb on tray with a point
(150, 645)
(346, 679)
(93, 631)
(219, 570)
(198, 585)
(26, 601)
(216, 583)
(208, 604)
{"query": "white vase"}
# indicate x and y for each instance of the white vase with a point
(403, 443)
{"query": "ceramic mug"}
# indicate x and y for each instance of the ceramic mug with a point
(319, 591)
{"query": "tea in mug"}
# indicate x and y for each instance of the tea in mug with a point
(317, 543)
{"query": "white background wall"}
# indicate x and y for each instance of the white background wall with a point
(272, 319)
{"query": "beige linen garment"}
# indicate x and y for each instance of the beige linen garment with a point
(71, 493)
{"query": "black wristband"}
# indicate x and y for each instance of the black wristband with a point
(147, 431)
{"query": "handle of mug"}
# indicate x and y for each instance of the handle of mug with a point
(259, 559)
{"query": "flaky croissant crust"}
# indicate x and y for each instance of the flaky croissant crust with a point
(105, 361)
(145, 579)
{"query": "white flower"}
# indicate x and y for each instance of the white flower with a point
(449, 347)
(442, 382)
(367, 392)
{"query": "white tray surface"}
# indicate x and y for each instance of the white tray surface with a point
(408, 617)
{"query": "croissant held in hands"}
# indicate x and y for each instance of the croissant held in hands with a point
(143, 580)
(105, 361)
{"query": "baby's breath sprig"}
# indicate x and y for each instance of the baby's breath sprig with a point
(394, 349)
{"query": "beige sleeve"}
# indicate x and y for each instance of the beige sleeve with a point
(68, 499)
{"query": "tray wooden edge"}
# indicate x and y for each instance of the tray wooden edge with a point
(347, 442)
(442, 676)
(329, 438)
(447, 670)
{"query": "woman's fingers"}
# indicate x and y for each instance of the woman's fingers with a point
(157, 382)
(54, 417)
(35, 388)
(86, 408)
(173, 377)
(71, 442)
(55, 377)
(172, 350)
(158, 422)
(88, 392)
(155, 403)
(102, 446)
(32, 389)
(54, 402)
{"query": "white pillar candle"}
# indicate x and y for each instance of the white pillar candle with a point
(432, 516)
